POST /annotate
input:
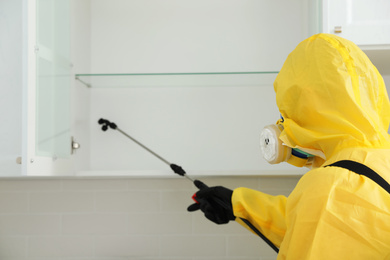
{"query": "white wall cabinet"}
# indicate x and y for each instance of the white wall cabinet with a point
(365, 22)
(190, 80)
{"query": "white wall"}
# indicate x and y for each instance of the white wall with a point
(122, 219)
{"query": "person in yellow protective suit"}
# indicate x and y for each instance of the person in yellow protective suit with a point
(334, 105)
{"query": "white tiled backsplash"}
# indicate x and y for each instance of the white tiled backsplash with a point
(122, 219)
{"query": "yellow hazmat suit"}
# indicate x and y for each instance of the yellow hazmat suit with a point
(333, 100)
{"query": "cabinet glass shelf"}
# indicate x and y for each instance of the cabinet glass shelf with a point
(208, 79)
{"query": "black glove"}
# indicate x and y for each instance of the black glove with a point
(215, 202)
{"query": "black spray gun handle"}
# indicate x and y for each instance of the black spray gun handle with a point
(200, 185)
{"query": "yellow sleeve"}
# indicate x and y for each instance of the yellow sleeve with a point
(265, 212)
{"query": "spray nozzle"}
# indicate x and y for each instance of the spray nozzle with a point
(105, 124)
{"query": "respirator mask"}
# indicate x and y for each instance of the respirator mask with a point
(275, 151)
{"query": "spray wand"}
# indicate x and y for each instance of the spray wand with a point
(180, 171)
(175, 168)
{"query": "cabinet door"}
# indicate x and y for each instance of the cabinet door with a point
(48, 89)
(365, 22)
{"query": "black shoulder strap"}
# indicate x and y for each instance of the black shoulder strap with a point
(362, 170)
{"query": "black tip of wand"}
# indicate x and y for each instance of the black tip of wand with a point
(101, 121)
(105, 124)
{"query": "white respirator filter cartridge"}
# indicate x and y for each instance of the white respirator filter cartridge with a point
(272, 147)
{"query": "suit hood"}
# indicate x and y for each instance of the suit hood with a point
(332, 97)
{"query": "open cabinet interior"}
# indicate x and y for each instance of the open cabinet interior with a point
(208, 129)
(193, 81)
